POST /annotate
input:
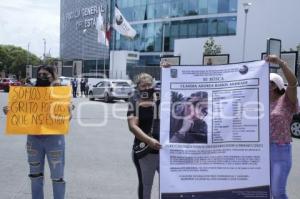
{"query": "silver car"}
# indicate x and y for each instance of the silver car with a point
(110, 90)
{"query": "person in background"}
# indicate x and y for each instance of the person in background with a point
(283, 104)
(143, 122)
(52, 146)
(74, 87)
(87, 87)
(82, 87)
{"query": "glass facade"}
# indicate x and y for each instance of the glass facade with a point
(150, 35)
(140, 10)
(78, 34)
(174, 19)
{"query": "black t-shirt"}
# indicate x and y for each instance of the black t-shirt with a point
(148, 117)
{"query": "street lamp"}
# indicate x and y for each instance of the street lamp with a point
(44, 50)
(28, 53)
(246, 9)
(163, 35)
(82, 46)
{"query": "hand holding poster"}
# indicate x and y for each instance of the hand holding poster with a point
(38, 110)
(215, 135)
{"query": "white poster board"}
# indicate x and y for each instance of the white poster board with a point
(215, 132)
(215, 59)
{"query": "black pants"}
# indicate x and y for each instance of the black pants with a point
(146, 167)
(74, 91)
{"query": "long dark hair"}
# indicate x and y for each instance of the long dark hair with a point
(51, 69)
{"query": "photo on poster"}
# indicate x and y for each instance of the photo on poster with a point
(187, 121)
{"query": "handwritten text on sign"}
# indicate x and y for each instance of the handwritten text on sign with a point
(38, 110)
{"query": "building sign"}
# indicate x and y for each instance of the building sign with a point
(86, 17)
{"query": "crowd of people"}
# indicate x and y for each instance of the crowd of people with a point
(143, 122)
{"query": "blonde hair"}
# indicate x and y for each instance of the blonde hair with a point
(144, 77)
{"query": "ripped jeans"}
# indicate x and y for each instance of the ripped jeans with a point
(52, 146)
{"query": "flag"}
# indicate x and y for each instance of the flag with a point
(101, 28)
(121, 25)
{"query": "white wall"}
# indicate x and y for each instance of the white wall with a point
(117, 64)
(266, 18)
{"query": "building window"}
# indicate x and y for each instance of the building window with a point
(212, 27)
(202, 8)
(222, 27)
(192, 30)
(233, 6)
(212, 6)
(223, 6)
(137, 10)
(203, 27)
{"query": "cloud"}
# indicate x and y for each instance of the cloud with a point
(29, 21)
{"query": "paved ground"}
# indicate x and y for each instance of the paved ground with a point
(98, 161)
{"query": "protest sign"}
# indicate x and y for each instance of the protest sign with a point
(215, 132)
(38, 110)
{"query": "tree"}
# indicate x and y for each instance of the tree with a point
(14, 59)
(211, 48)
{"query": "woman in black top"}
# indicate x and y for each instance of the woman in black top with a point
(143, 122)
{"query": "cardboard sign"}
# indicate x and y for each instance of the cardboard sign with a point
(38, 110)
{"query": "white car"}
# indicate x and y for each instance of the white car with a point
(65, 81)
(111, 89)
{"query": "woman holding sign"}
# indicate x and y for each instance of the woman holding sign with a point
(40, 146)
(143, 122)
(283, 104)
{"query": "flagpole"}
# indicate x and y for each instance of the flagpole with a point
(96, 67)
(111, 37)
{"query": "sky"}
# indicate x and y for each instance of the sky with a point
(24, 22)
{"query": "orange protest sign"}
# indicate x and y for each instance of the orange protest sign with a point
(38, 110)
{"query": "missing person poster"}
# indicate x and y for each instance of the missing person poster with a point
(215, 132)
(38, 110)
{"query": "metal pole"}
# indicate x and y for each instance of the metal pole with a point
(44, 50)
(245, 34)
(82, 46)
(246, 9)
(112, 38)
(104, 58)
(163, 40)
(28, 54)
(96, 67)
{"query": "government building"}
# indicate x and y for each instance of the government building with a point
(170, 28)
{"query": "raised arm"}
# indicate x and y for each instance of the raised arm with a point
(291, 89)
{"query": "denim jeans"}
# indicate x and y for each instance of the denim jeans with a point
(281, 163)
(52, 146)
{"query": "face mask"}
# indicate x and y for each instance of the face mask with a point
(147, 93)
(42, 81)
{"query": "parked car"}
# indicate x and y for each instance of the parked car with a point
(110, 89)
(157, 85)
(6, 82)
(65, 81)
(295, 126)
